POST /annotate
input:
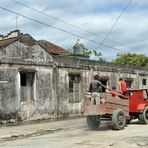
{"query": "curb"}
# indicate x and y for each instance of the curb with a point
(31, 134)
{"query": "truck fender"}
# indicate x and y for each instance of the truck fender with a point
(141, 107)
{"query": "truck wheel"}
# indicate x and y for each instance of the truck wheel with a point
(144, 116)
(93, 122)
(118, 119)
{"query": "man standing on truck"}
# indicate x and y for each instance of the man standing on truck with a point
(95, 85)
(122, 86)
(95, 89)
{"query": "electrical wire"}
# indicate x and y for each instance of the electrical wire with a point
(113, 25)
(57, 19)
(59, 29)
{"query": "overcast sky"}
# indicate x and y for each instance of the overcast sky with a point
(95, 16)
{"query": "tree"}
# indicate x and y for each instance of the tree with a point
(97, 54)
(131, 59)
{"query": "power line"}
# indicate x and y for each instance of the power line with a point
(56, 28)
(79, 28)
(113, 25)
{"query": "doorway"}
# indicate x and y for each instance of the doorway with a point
(26, 82)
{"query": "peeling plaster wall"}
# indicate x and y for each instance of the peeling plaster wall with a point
(9, 101)
(11, 106)
(87, 70)
(42, 106)
(18, 57)
(62, 93)
(21, 53)
(71, 108)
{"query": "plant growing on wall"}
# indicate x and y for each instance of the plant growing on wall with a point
(98, 55)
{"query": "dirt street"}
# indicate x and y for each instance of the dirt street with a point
(77, 135)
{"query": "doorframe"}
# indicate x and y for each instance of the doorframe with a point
(33, 84)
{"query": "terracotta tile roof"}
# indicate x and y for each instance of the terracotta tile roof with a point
(52, 48)
(23, 38)
(29, 41)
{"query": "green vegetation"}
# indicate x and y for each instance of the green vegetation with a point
(98, 55)
(131, 59)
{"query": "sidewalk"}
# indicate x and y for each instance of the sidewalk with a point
(35, 129)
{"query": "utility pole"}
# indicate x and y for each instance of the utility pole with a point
(16, 18)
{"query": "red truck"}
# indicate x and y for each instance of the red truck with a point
(138, 105)
(120, 110)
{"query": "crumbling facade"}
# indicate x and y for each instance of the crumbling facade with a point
(26, 78)
(36, 82)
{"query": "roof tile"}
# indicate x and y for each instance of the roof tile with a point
(53, 49)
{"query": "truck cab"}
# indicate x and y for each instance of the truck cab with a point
(138, 104)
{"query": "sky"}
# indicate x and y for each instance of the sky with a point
(64, 21)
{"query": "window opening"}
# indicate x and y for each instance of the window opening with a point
(26, 82)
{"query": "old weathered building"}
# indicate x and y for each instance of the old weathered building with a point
(40, 80)
(27, 69)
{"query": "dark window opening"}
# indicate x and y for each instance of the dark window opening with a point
(70, 86)
(26, 83)
(104, 82)
(128, 83)
(72, 77)
(74, 80)
(23, 79)
(143, 81)
(74, 88)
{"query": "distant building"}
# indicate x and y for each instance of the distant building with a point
(40, 80)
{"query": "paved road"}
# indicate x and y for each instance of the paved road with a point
(77, 135)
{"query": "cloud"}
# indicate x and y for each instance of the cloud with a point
(95, 16)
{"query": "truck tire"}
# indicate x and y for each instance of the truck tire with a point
(118, 119)
(93, 122)
(144, 116)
